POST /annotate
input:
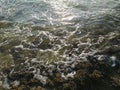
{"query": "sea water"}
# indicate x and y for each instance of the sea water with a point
(36, 33)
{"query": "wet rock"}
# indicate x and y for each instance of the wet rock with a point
(6, 61)
(96, 75)
(116, 81)
(70, 86)
(10, 42)
(82, 65)
(6, 24)
(58, 80)
(38, 88)
(42, 41)
(21, 76)
(65, 50)
(45, 44)
(21, 87)
(88, 76)
(48, 56)
(110, 50)
(80, 77)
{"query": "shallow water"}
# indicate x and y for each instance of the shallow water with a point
(52, 12)
(41, 32)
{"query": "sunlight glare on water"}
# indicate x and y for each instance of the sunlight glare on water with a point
(53, 12)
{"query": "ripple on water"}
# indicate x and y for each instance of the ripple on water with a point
(40, 51)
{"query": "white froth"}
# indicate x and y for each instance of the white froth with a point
(5, 84)
(19, 46)
(69, 75)
(41, 78)
(1, 83)
(16, 83)
(113, 58)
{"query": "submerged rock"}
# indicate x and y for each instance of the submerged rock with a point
(88, 76)
(6, 24)
(63, 57)
(6, 61)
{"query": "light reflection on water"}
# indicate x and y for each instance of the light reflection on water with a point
(53, 12)
(38, 32)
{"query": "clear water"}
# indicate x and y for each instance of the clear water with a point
(40, 32)
(53, 12)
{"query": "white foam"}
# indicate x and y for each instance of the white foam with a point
(5, 84)
(1, 83)
(41, 78)
(16, 83)
(69, 75)
(19, 46)
(113, 58)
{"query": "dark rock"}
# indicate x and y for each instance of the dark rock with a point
(69, 86)
(20, 76)
(110, 50)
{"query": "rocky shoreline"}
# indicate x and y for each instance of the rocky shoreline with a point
(90, 75)
(61, 58)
